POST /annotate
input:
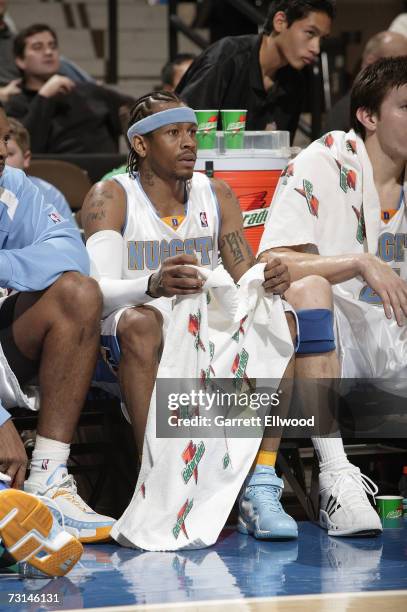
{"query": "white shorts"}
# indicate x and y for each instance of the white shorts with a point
(370, 345)
(11, 393)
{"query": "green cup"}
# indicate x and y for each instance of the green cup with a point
(207, 125)
(390, 509)
(233, 123)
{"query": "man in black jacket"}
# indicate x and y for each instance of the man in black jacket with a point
(61, 116)
(261, 73)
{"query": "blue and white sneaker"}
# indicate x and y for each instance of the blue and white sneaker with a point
(261, 513)
(79, 519)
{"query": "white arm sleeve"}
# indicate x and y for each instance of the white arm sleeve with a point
(105, 250)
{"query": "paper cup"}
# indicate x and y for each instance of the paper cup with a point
(207, 125)
(390, 509)
(233, 124)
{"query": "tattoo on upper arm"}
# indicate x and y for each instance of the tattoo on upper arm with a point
(95, 216)
(97, 206)
(229, 193)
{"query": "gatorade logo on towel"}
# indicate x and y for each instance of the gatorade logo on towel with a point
(192, 455)
(181, 516)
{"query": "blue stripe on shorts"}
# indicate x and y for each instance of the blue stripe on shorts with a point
(108, 360)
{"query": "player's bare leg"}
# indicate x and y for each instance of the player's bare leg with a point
(140, 335)
(339, 479)
(56, 333)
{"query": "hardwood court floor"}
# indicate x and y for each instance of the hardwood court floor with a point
(316, 572)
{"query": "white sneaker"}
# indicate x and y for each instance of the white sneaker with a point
(79, 519)
(344, 506)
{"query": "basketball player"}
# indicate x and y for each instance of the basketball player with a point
(144, 229)
(339, 212)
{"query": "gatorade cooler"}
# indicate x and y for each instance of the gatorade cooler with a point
(252, 172)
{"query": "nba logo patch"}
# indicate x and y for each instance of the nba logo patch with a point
(44, 465)
(174, 222)
(55, 217)
(204, 220)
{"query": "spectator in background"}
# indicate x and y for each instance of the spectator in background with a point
(381, 45)
(19, 156)
(173, 71)
(60, 115)
(223, 19)
(10, 77)
(261, 73)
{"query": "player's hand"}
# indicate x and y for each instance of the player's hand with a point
(176, 277)
(388, 285)
(276, 275)
(57, 84)
(13, 458)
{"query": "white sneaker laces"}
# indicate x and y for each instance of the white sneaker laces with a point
(351, 485)
(68, 483)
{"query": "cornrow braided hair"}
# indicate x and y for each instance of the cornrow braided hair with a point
(143, 108)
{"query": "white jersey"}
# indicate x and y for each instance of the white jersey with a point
(392, 243)
(327, 198)
(149, 240)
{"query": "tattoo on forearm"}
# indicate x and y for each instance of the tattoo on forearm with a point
(233, 242)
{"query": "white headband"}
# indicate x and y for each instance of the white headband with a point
(181, 114)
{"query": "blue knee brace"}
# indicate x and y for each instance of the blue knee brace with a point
(316, 329)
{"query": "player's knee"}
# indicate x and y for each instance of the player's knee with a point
(316, 328)
(140, 332)
(80, 296)
(310, 292)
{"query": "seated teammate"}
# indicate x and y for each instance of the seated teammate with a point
(19, 156)
(49, 327)
(143, 230)
(339, 212)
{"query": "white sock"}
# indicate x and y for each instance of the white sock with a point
(330, 452)
(49, 459)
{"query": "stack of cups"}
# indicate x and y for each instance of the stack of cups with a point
(233, 123)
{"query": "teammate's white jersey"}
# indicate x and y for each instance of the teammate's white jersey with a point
(149, 240)
(391, 248)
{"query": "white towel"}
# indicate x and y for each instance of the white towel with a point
(240, 331)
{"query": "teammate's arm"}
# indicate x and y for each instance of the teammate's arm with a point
(237, 256)
(304, 260)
